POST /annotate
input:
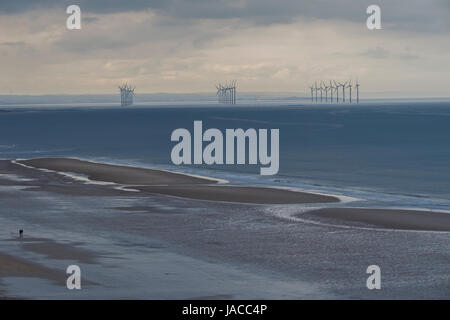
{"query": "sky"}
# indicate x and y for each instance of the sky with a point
(182, 46)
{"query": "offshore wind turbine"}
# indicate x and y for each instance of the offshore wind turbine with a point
(350, 87)
(343, 90)
(316, 90)
(219, 92)
(357, 91)
(234, 91)
(321, 92)
(312, 93)
(331, 90)
(326, 91)
(337, 91)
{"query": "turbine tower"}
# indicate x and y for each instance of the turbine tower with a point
(343, 90)
(316, 90)
(234, 91)
(312, 93)
(331, 90)
(321, 92)
(337, 91)
(350, 87)
(219, 92)
(357, 91)
(326, 91)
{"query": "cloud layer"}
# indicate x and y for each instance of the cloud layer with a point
(186, 46)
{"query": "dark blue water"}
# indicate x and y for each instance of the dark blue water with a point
(395, 149)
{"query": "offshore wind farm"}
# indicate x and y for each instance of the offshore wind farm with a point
(226, 93)
(333, 87)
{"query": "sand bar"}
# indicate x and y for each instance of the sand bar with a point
(174, 184)
(113, 173)
(255, 195)
(390, 218)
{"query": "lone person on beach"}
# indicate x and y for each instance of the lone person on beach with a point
(20, 233)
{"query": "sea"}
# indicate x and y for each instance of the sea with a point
(388, 153)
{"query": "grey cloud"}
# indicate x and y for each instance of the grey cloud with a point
(418, 15)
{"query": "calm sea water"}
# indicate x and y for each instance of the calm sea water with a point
(391, 154)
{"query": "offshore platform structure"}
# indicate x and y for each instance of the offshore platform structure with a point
(227, 93)
(126, 95)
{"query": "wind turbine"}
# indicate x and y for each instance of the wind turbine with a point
(321, 92)
(326, 91)
(218, 93)
(234, 91)
(343, 90)
(357, 91)
(350, 87)
(331, 90)
(337, 91)
(312, 93)
(316, 90)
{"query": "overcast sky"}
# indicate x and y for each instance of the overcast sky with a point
(189, 45)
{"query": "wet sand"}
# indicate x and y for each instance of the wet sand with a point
(59, 251)
(390, 218)
(174, 184)
(16, 267)
(254, 195)
(21, 267)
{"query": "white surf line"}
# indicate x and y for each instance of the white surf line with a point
(293, 216)
(125, 188)
(218, 180)
(73, 176)
(84, 179)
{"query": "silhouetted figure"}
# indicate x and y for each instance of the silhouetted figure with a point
(20, 233)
